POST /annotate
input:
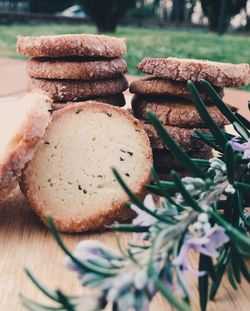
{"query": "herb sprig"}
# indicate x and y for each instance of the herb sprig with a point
(206, 212)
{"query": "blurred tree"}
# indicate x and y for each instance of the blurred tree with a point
(49, 6)
(220, 12)
(107, 13)
(178, 11)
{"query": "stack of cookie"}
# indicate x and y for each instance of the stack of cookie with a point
(166, 94)
(75, 68)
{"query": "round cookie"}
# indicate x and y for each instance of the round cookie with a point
(114, 100)
(86, 45)
(77, 90)
(70, 176)
(174, 111)
(165, 161)
(160, 86)
(182, 136)
(219, 74)
(75, 69)
(23, 123)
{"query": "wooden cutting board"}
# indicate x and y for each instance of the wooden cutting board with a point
(26, 242)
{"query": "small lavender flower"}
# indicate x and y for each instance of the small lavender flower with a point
(244, 148)
(143, 218)
(218, 168)
(230, 189)
(208, 245)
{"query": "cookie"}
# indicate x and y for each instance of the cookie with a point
(23, 123)
(75, 69)
(77, 90)
(165, 161)
(174, 111)
(159, 86)
(86, 45)
(114, 100)
(183, 136)
(178, 69)
(70, 176)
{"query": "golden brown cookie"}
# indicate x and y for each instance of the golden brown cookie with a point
(183, 136)
(174, 111)
(75, 69)
(70, 176)
(77, 90)
(180, 69)
(114, 100)
(22, 126)
(71, 45)
(160, 86)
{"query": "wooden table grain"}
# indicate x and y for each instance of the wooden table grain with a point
(26, 242)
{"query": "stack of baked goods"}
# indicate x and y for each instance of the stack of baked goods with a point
(166, 94)
(75, 68)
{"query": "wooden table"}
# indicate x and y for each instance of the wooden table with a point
(25, 242)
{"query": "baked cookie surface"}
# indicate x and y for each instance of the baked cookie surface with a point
(87, 45)
(219, 74)
(114, 100)
(22, 126)
(45, 68)
(174, 111)
(70, 176)
(182, 136)
(160, 86)
(77, 90)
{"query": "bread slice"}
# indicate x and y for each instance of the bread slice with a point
(181, 69)
(174, 111)
(86, 45)
(22, 125)
(70, 176)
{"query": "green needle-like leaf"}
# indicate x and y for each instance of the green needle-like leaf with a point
(231, 276)
(41, 287)
(208, 142)
(230, 162)
(210, 123)
(134, 198)
(226, 111)
(65, 301)
(83, 265)
(203, 282)
(243, 120)
(181, 156)
(34, 306)
(244, 270)
(129, 228)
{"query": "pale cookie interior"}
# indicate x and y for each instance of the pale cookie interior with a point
(71, 174)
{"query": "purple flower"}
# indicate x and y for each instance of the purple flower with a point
(207, 245)
(244, 148)
(143, 218)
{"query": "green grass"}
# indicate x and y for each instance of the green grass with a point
(145, 42)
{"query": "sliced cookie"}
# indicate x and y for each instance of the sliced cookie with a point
(160, 86)
(183, 136)
(86, 45)
(22, 126)
(70, 176)
(114, 100)
(174, 111)
(220, 74)
(75, 69)
(77, 90)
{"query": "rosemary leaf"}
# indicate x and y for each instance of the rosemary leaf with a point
(210, 123)
(181, 156)
(203, 282)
